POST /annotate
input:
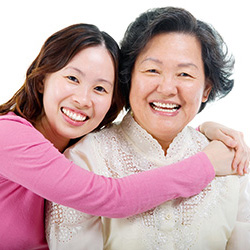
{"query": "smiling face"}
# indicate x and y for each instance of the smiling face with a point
(168, 85)
(77, 97)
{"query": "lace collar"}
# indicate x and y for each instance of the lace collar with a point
(143, 141)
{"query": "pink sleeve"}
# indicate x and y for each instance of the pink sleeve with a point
(198, 129)
(28, 159)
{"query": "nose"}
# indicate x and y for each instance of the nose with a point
(167, 86)
(82, 97)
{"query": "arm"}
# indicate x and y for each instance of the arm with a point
(240, 237)
(231, 138)
(28, 159)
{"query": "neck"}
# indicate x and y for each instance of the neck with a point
(165, 144)
(58, 141)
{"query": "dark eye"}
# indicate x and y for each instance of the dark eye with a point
(73, 79)
(152, 71)
(185, 74)
(100, 89)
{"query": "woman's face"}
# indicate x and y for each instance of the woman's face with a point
(77, 97)
(168, 85)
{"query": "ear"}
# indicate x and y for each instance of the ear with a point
(40, 87)
(207, 90)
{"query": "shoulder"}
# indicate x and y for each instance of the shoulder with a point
(93, 146)
(12, 125)
(190, 137)
(11, 119)
(196, 136)
(102, 136)
(16, 131)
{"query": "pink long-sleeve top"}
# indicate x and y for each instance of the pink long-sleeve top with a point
(32, 170)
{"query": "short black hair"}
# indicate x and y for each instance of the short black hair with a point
(218, 64)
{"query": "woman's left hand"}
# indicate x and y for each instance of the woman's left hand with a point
(233, 139)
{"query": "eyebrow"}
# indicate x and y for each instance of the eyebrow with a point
(104, 80)
(181, 65)
(152, 59)
(81, 73)
(76, 69)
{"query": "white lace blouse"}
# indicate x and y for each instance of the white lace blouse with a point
(216, 218)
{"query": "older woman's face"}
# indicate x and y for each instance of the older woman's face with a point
(168, 85)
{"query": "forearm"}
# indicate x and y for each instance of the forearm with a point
(75, 187)
(151, 188)
(140, 192)
(33, 162)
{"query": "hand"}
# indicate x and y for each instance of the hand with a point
(233, 139)
(221, 157)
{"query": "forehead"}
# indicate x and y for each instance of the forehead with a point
(95, 53)
(95, 60)
(167, 45)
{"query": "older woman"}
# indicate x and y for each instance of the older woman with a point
(172, 65)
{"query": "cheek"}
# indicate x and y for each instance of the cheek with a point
(139, 89)
(54, 92)
(194, 93)
(102, 106)
(193, 98)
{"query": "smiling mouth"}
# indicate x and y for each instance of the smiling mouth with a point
(74, 116)
(165, 107)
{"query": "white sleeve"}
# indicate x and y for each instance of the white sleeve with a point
(240, 238)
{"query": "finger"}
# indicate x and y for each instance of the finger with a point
(246, 167)
(241, 164)
(236, 161)
(240, 169)
(238, 137)
(242, 155)
(227, 140)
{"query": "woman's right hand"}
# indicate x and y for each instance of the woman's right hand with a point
(221, 158)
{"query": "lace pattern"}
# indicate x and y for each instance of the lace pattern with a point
(127, 149)
(169, 223)
(63, 218)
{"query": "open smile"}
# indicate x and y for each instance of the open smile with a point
(165, 107)
(77, 117)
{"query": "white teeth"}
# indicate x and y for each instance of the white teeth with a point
(165, 110)
(165, 107)
(74, 116)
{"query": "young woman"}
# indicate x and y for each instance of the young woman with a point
(70, 90)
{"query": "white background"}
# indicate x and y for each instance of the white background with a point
(26, 24)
